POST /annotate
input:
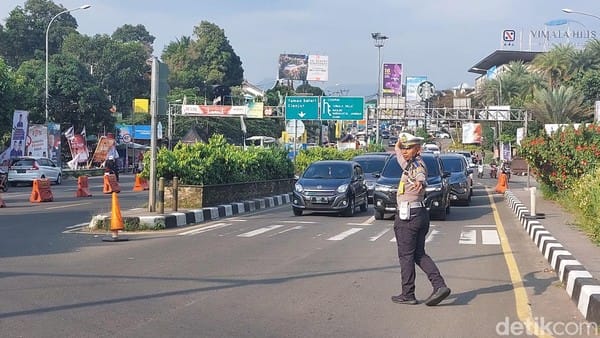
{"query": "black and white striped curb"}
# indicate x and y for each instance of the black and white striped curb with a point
(583, 289)
(195, 216)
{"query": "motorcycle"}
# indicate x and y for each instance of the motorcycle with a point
(480, 170)
(494, 171)
(3, 180)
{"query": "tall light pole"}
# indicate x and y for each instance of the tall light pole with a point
(47, 30)
(570, 11)
(379, 42)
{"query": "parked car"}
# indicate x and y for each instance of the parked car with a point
(331, 186)
(392, 141)
(460, 180)
(27, 169)
(437, 196)
(372, 164)
(470, 160)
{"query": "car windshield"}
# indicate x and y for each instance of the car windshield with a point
(371, 165)
(327, 171)
(392, 168)
(433, 169)
(453, 164)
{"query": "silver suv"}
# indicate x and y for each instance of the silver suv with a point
(27, 169)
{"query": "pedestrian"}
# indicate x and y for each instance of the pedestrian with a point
(412, 224)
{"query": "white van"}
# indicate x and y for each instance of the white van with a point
(431, 148)
(260, 141)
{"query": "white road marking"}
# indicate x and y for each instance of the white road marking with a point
(261, 230)
(68, 206)
(204, 229)
(344, 234)
(431, 235)
(468, 237)
(298, 227)
(299, 222)
(77, 226)
(376, 237)
(490, 237)
(480, 226)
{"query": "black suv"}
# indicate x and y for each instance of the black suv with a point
(372, 165)
(437, 192)
(331, 186)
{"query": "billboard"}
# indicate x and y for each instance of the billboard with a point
(392, 79)
(19, 133)
(412, 83)
(293, 66)
(471, 133)
(318, 68)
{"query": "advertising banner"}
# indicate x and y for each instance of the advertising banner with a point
(54, 142)
(392, 79)
(318, 68)
(255, 110)
(104, 145)
(471, 133)
(18, 140)
(128, 133)
(37, 141)
(212, 111)
(412, 83)
(293, 66)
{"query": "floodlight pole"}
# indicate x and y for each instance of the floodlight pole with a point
(379, 42)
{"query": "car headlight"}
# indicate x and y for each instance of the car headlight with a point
(434, 187)
(342, 188)
(298, 187)
(384, 188)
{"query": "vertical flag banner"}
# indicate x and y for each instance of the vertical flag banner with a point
(392, 79)
(20, 127)
(54, 142)
(37, 141)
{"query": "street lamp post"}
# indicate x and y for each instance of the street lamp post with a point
(570, 11)
(379, 42)
(47, 30)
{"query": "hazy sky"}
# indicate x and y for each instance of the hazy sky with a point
(437, 38)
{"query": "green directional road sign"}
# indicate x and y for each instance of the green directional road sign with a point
(302, 107)
(342, 108)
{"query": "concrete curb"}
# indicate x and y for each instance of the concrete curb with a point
(583, 289)
(196, 216)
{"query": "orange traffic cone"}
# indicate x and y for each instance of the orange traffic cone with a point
(116, 221)
(140, 183)
(502, 185)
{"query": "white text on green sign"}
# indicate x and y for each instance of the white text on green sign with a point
(302, 107)
(342, 108)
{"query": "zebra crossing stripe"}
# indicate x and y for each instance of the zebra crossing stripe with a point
(490, 237)
(204, 229)
(376, 237)
(261, 230)
(468, 237)
(344, 234)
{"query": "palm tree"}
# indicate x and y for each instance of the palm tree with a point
(558, 105)
(556, 65)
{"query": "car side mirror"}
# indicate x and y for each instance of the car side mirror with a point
(446, 174)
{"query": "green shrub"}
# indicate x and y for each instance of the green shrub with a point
(584, 198)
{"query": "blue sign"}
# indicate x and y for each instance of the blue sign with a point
(342, 108)
(302, 107)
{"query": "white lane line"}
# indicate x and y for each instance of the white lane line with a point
(490, 237)
(261, 230)
(299, 222)
(344, 234)
(468, 237)
(480, 226)
(77, 226)
(204, 229)
(68, 206)
(431, 235)
(376, 237)
(298, 227)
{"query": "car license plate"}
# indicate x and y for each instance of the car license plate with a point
(319, 200)
(20, 171)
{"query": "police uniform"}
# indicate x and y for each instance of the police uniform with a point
(411, 225)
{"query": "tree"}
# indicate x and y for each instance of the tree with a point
(556, 65)
(138, 33)
(24, 35)
(558, 105)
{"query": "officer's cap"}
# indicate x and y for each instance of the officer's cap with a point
(407, 139)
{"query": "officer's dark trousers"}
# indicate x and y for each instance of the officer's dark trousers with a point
(410, 238)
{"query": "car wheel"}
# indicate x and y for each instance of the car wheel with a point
(59, 179)
(378, 214)
(349, 211)
(297, 212)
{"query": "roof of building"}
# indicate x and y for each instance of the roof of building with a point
(501, 57)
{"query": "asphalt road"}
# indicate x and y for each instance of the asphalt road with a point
(268, 274)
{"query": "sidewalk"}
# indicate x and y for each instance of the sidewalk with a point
(572, 255)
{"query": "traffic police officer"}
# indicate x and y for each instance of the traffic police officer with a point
(411, 224)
